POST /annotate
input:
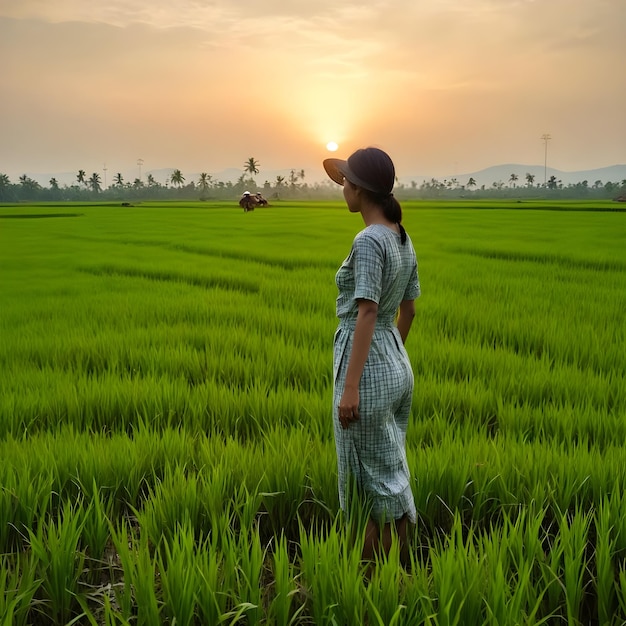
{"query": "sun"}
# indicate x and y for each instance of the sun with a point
(332, 146)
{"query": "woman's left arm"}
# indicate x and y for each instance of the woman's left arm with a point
(405, 319)
(362, 340)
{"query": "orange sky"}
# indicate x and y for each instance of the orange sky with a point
(444, 86)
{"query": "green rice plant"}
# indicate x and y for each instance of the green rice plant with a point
(251, 557)
(574, 532)
(416, 593)
(110, 616)
(229, 507)
(458, 579)
(7, 506)
(551, 572)
(176, 564)
(511, 595)
(341, 566)
(18, 586)
(174, 502)
(494, 547)
(55, 545)
(281, 610)
(496, 597)
(143, 573)
(137, 595)
(621, 589)
(322, 499)
(524, 530)
(613, 505)
(605, 574)
(332, 575)
(384, 591)
(216, 579)
(284, 481)
(29, 498)
(96, 520)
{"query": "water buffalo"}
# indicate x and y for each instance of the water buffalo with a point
(249, 201)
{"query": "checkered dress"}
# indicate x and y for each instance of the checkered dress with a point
(371, 452)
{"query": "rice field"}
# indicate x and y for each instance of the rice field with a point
(166, 451)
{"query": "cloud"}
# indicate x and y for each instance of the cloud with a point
(198, 80)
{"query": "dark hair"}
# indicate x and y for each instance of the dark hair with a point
(372, 169)
(391, 208)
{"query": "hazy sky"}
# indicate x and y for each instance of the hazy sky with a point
(444, 86)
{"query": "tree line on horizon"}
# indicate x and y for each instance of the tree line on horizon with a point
(285, 188)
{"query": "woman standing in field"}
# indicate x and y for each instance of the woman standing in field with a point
(373, 379)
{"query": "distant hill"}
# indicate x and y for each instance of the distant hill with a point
(502, 173)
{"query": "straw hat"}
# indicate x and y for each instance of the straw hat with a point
(370, 168)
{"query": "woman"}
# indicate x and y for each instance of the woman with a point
(377, 283)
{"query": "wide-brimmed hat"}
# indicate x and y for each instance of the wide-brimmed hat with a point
(370, 168)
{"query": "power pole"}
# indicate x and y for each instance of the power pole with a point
(546, 137)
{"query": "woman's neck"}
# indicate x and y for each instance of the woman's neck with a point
(373, 214)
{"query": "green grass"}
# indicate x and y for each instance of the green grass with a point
(165, 435)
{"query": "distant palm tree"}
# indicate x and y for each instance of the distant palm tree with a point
(151, 181)
(94, 182)
(54, 183)
(204, 182)
(5, 184)
(119, 180)
(513, 179)
(251, 166)
(293, 179)
(137, 183)
(177, 178)
(81, 177)
(530, 179)
(471, 182)
(28, 183)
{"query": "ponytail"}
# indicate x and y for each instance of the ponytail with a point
(393, 212)
(391, 209)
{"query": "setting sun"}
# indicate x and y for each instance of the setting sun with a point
(331, 146)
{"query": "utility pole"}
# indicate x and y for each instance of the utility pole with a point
(546, 137)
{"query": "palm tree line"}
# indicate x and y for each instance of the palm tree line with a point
(453, 187)
(175, 186)
(292, 186)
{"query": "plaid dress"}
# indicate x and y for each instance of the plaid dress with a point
(371, 452)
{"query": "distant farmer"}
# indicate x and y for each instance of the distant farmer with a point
(248, 202)
(260, 199)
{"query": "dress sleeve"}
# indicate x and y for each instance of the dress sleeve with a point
(368, 268)
(413, 289)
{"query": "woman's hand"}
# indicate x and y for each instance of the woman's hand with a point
(349, 406)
